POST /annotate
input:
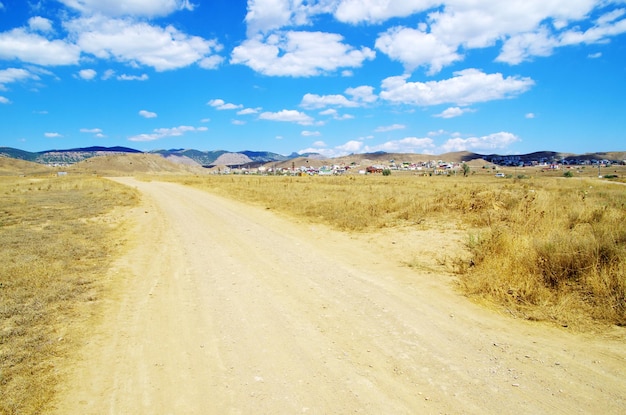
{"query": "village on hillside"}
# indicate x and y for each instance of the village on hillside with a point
(304, 166)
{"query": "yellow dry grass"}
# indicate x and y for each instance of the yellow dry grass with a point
(57, 242)
(544, 247)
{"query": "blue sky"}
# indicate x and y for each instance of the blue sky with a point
(328, 76)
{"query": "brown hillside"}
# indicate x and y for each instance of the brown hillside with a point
(15, 167)
(130, 164)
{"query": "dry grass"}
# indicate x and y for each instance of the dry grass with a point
(544, 247)
(56, 244)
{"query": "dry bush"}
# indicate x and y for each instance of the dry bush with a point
(55, 246)
(558, 252)
(547, 248)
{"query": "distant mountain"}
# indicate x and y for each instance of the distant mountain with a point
(14, 153)
(204, 158)
(69, 156)
(252, 158)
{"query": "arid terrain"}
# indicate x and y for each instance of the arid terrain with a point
(221, 307)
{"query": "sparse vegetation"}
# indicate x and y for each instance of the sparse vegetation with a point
(56, 244)
(546, 249)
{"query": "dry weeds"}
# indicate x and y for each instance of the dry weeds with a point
(56, 245)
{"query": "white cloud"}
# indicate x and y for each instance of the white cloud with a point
(466, 87)
(40, 24)
(287, 116)
(139, 43)
(376, 11)
(160, 133)
(453, 112)
(320, 147)
(333, 113)
(97, 132)
(266, 15)
(595, 55)
(126, 77)
(405, 145)
(148, 114)
(87, 74)
(149, 8)
(530, 116)
(10, 75)
(361, 95)
(219, 104)
(299, 54)
(450, 28)
(352, 146)
(387, 128)
(248, 111)
(445, 30)
(524, 46)
(238, 122)
(52, 135)
(415, 48)
(313, 101)
(4, 100)
(33, 48)
(306, 133)
(485, 143)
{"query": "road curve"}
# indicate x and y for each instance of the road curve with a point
(224, 308)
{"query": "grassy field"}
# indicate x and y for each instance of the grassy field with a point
(543, 246)
(57, 241)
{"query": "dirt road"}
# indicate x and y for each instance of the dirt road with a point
(225, 308)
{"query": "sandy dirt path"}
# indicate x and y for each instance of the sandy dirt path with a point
(225, 308)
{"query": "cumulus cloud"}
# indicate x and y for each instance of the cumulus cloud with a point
(148, 8)
(336, 116)
(140, 43)
(312, 101)
(466, 87)
(249, 111)
(266, 15)
(221, 105)
(4, 100)
(87, 74)
(52, 135)
(287, 116)
(299, 54)
(97, 132)
(306, 133)
(40, 24)
(29, 47)
(160, 133)
(415, 48)
(10, 75)
(147, 114)
(453, 112)
(359, 96)
(529, 116)
(376, 11)
(485, 143)
(450, 28)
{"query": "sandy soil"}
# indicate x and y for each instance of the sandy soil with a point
(224, 308)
